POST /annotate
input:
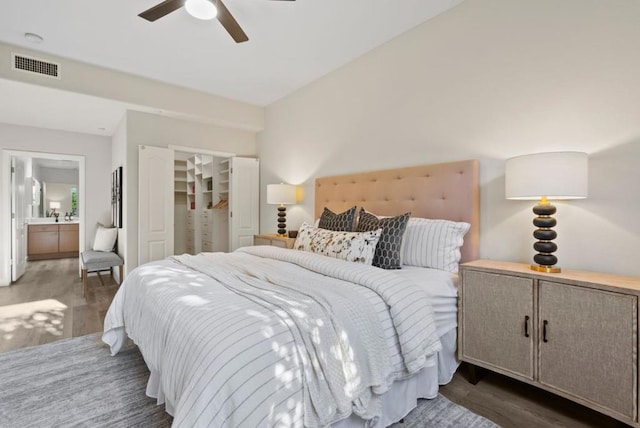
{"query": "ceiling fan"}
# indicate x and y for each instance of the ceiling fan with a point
(201, 9)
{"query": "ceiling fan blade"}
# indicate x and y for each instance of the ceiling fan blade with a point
(229, 23)
(162, 9)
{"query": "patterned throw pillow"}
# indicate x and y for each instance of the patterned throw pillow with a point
(434, 243)
(349, 246)
(389, 249)
(345, 221)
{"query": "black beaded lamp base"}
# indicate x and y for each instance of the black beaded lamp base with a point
(545, 235)
(282, 220)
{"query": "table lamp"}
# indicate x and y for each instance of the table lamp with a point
(53, 206)
(546, 176)
(281, 194)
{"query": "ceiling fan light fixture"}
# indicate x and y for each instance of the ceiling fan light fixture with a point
(201, 9)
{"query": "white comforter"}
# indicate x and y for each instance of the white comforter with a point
(271, 337)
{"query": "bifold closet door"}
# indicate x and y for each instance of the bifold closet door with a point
(244, 201)
(155, 203)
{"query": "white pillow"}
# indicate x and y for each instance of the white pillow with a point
(105, 238)
(356, 247)
(433, 243)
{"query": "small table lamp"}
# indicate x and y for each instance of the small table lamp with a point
(544, 176)
(281, 194)
(53, 206)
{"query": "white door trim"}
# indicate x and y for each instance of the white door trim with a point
(5, 201)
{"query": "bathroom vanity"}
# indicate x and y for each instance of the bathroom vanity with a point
(53, 240)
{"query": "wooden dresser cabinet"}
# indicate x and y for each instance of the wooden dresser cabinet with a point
(53, 241)
(572, 333)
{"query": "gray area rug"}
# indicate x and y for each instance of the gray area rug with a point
(76, 383)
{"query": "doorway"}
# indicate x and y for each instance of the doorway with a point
(45, 190)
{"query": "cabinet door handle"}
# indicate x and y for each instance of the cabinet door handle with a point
(544, 330)
(526, 326)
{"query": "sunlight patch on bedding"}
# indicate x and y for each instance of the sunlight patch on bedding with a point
(267, 331)
(193, 300)
(292, 418)
(298, 313)
(284, 376)
(290, 413)
(345, 354)
(256, 314)
(158, 281)
(167, 273)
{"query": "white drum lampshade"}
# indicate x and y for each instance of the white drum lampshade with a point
(53, 206)
(546, 176)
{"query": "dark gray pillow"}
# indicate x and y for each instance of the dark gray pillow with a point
(388, 251)
(343, 222)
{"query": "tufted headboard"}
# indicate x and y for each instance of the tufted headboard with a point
(448, 191)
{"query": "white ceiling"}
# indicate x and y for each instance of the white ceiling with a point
(290, 43)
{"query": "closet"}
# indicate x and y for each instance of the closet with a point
(203, 195)
(191, 202)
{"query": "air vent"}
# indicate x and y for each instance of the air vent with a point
(29, 64)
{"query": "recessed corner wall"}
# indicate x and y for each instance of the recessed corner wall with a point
(489, 79)
(162, 131)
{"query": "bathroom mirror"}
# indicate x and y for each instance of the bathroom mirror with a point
(54, 187)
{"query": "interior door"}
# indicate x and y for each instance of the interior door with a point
(244, 201)
(18, 227)
(155, 203)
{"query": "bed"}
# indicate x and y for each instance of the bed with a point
(267, 336)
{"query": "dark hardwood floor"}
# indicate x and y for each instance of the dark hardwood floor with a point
(510, 403)
(46, 304)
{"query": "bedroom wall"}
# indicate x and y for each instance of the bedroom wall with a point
(161, 131)
(97, 153)
(489, 79)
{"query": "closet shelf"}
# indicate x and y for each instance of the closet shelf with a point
(225, 171)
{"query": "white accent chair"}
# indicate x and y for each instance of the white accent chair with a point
(99, 261)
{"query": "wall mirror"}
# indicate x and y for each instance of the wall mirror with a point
(54, 187)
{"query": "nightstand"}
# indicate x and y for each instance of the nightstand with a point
(273, 239)
(573, 333)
